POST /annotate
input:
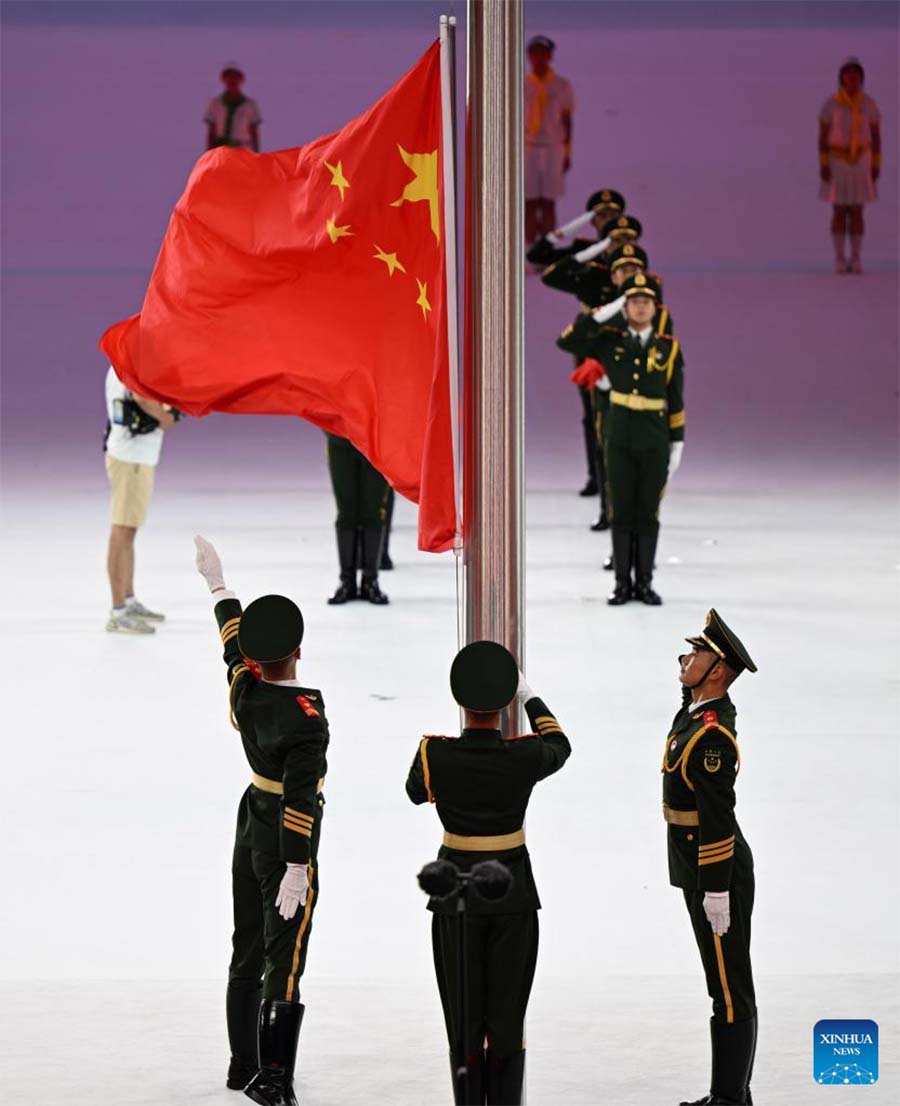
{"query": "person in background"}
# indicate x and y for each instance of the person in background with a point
(361, 495)
(232, 119)
(134, 435)
(549, 104)
(849, 161)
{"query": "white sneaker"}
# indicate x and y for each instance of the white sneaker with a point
(138, 610)
(128, 624)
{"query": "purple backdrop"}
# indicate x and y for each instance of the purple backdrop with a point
(704, 118)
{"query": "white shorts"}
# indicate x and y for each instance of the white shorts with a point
(544, 177)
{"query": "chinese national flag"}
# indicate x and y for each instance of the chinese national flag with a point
(311, 282)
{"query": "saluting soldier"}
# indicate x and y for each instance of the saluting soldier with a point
(589, 279)
(361, 495)
(643, 430)
(708, 856)
(480, 783)
(274, 867)
(603, 206)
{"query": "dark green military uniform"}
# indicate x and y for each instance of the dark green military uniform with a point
(480, 784)
(707, 852)
(285, 737)
(646, 414)
(361, 494)
(590, 283)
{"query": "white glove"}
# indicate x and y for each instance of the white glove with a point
(603, 384)
(608, 310)
(209, 564)
(561, 233)
(675, 451)
(523, 691)
(717, 908)
(293, 890)
(592, 251)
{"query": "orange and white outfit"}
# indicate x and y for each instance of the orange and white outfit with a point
(850, 121)
(549, 101)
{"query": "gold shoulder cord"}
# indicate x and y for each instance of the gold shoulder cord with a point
(682, 761)
(239, 671)
(426, 772)
(670, 364)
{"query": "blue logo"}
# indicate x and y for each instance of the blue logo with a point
(845, 1052)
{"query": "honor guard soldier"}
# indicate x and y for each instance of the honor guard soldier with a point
(480, 783)
(643, 431)
(708, 856)
(589, 279)
(361, 494)
(274, 868)
(602, 206)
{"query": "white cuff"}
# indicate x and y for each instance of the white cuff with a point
(592, 251)
(220, 594)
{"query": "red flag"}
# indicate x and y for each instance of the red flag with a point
(311, 282)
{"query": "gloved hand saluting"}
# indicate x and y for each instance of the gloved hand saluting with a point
(717, 908)
(523, 691)
(293, 890)
(209, 564)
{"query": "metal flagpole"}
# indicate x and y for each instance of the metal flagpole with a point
(493, 398)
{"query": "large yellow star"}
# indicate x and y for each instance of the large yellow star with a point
(424, 186)
(338, 179)
(335, 232)
(390, 259)
(422, 301)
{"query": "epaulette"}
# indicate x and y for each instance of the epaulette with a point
(614, 330)
(710, 718)
(440, 737)
(306, 706)
(658, 338)
(519, 737)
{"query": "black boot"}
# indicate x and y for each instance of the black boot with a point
(602, 522)
(732, 1060)
(590, 447)
(468, 1089)
(346, 543)
(386, 564)
(505, 1078)
(608, 565)
(755, 1020)
(371, 555)
(646, 553)
(242, 1014)
(279, 1028)
(622, 548)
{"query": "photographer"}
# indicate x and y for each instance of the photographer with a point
(134, 434)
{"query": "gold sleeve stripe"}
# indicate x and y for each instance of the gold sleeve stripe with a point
(232, 623)
(717, 852)
(304, 832)
(715, 859)
(231, 633)
(298, 814)
(426, 771)
(544, 718)
(303, 819)
(717, 844)
(676, 421)
(545, 730)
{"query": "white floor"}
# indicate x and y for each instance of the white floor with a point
(122, 776)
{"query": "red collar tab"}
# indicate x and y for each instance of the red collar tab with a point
(306, 706)
(710, 718)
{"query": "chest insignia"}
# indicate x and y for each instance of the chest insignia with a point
(712, 761)
(306, 706)
(710, 718)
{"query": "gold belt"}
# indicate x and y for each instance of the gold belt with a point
(276, 787)
(494, 844)
(637, 403)
(680, 817)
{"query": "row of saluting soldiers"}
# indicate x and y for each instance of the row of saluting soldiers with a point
(629, 371)
(480, 783)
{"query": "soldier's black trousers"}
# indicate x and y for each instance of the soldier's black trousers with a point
(592, 448)
(502, 954)
(637, 467)
(265, 946)
(726, 960)
(360, 491)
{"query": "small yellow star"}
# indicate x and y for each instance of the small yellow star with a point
(422, 301)
(338, 179)
(390, 259)
(334, 232)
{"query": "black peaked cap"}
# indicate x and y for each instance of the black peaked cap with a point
(606, 197)
(484, 676)
(622, 222)
(720, 639)
(271, 628)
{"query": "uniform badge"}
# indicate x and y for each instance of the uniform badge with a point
(710, 718)
(674, 745)
(712, 761)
